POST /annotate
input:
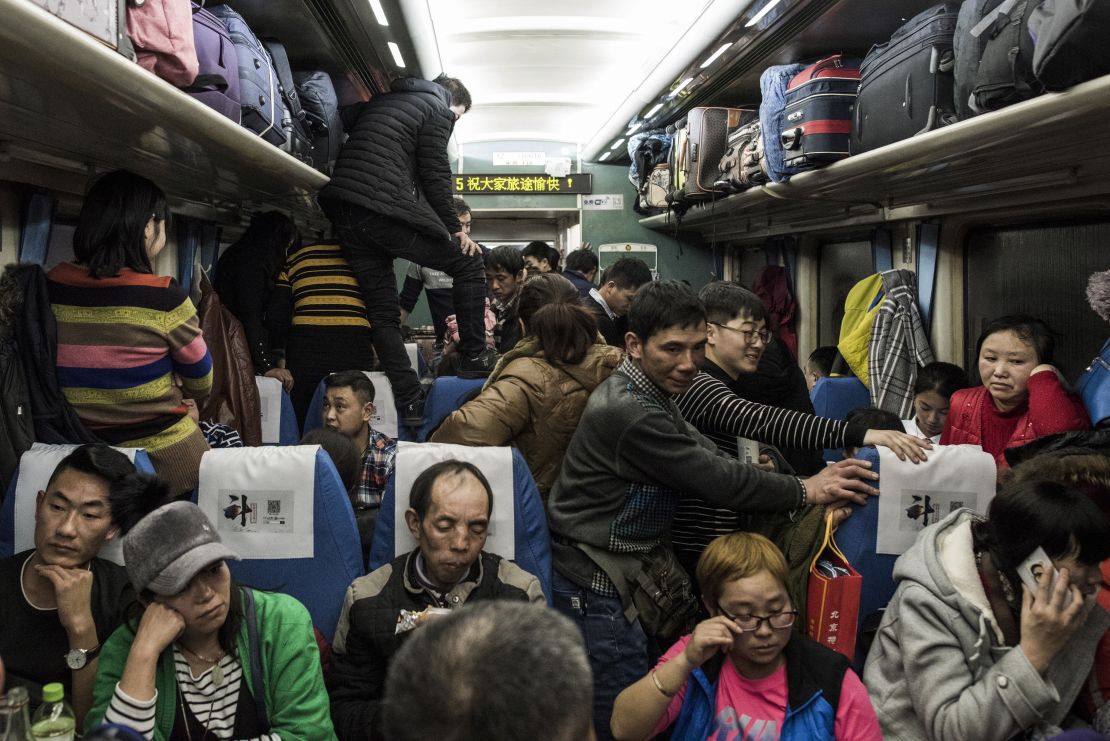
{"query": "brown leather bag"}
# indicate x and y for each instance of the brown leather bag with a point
(234, 399)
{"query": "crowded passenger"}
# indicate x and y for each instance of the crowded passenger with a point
(966, 648)
(540, 257)
(348, 409)
(581, 270)
(450, 505)
(1023, 396)
(59, 601)
(436, 284)
(932, 395)
(505, 273)
(202, 655)
(819, 364)
(390, 196)
(124, 332)
(246, 276)
(320, 319)
(629, 462)
(609, 302)
(736, 335)
(535, 395)
(744, 673)
(503, 670)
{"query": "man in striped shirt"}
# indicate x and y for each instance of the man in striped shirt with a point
(736, 337)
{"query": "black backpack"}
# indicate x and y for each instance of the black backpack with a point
(1070, 41)
(994, 56)
(36, 339)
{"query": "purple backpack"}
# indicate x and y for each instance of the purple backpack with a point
(217, 83)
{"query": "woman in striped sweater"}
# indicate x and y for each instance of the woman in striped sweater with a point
(123, 332)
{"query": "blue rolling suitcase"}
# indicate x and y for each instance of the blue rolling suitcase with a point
(259, 90)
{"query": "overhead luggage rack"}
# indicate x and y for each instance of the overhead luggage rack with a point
(1051, 149)
(70, 106)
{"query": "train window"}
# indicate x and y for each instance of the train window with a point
(841, 266)
(1040, 270)
(60, 247)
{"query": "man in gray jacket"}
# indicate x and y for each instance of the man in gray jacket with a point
(628, 463)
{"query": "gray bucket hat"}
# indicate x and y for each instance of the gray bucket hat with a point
(166, 549)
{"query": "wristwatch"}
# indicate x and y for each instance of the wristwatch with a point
(78, 658)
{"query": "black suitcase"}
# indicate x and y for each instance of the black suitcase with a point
(294, 122)
(905, 85)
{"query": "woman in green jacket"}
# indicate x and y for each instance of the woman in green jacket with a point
(207, 658)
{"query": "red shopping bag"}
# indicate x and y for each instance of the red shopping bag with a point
(832, 599)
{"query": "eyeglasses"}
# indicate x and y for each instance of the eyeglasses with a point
(778, 621)
(764, 334)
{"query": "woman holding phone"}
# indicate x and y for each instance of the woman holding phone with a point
(967, 650)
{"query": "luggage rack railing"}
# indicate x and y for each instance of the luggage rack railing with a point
(1049, 149)
(71, 106)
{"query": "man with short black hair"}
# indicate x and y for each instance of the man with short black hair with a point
(540, 257)
(505, 273)
(581, 270)
(390, 196)
(348, 409)
(450, 505)
(610, 301)
(503, 670)
(59, 602)
(630, 461)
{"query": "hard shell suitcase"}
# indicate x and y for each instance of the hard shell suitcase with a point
(707, 138)
(905, 84)
(260, 93)
(217, 81)
(818, 115)
(321, 107)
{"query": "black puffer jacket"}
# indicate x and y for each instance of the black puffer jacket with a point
(394, 162)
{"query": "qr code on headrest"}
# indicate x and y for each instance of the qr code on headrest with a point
(273, 506)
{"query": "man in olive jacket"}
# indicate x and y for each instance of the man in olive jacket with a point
(390, 196)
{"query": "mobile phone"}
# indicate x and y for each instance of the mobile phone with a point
(747, 450)
(1031, 568)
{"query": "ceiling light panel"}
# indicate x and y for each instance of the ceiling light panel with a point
(524, 66)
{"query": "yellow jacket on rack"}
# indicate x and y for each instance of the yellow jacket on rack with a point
(860, 308)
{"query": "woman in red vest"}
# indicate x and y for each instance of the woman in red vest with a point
(1023, 395)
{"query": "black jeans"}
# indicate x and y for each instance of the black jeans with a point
(370, 242)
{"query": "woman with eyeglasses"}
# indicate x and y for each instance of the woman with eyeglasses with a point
(745, 672)
(123, 332)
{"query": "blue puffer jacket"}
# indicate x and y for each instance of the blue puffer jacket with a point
(814, 675)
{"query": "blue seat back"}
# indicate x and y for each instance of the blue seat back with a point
(17, 516)
(532, 539)
(273, 399)
(445, 396)
(333, 559)
(385, 418)
(834, 398)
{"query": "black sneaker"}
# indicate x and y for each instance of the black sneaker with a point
(412, 414)
(479, 366)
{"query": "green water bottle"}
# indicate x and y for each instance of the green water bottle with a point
(54, 720)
